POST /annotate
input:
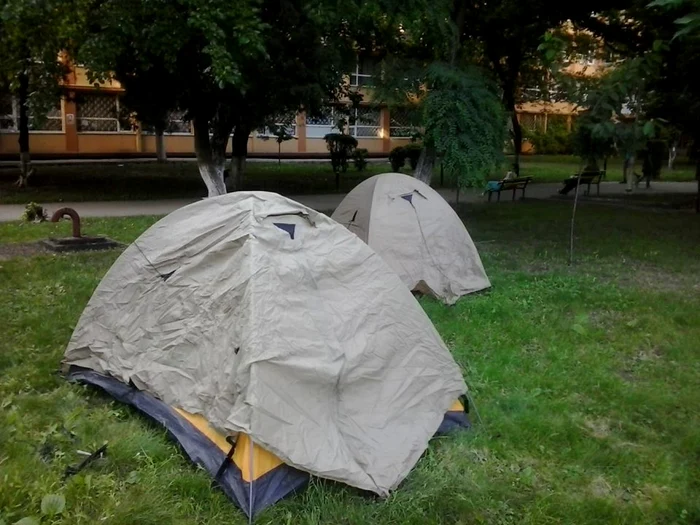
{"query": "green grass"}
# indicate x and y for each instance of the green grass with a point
(555, 168)
(587, 380)
(149, 180)
(179, 179)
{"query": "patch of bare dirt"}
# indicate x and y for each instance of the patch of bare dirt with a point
(21, 249)
(661, 280)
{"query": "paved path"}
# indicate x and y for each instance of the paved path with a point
(12, 212)
(268, 160)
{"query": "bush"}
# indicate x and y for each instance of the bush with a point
(397, 157)
(412, 153)
(359, 158)
(340, 147)
(653, 158)
(34, 212)
(555, 141)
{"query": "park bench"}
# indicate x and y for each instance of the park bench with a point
(519, 183)
(592, 177)
(588, 178)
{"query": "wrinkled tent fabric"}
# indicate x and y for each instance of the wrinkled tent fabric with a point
(251, 315)
(417, 233)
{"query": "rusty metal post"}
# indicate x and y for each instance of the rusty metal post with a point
(75, 219)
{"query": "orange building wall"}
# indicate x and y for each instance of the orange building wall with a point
(44, 143)
(106, 142)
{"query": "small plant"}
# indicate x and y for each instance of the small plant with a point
(359, 158)
(340, 147)
(397, 157)
(34, 212)
(412, 153)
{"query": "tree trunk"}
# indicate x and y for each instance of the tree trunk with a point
(210, 157)
(697, 177)
(25, 163)
(161, 154)
(672, 153)
(629, 171)
(426, 162)
(517, 140)
(239, 153)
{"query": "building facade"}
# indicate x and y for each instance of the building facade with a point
(88, 121)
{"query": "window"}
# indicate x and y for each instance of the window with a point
(100, 113)
(287, 122)
(400, 123)
(7, 112)
(532, 121)
(364, 70)
(9, 116)
(367, 122)
(321, 124)
(177, 124)
(52, 121)
(266, 132)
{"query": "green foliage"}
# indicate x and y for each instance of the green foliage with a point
(653, 158)
(400, 154)
(359, 158)
(616, 110)
(464, 122)
(231, 66)
(34, 212)
(397, 158)
(555, 141)
(340, 147)
(53, 504)
(591, 147)
(412, 152)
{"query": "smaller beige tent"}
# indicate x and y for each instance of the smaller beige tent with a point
(417, 233)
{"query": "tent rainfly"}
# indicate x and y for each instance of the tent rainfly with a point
(272, 344)
(417, 233)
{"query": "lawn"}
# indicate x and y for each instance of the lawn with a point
(555, 168)
(180, 179)
(586, 378)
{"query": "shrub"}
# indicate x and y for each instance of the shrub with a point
(340, 147)
(653, 158)
(34, 212)
(412, 152)
(555, 141)
(397, 157)
(359, 158)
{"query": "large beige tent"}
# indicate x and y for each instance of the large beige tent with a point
(251, 319)
(417, 233)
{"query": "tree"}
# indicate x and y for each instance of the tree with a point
(229, 65)
(505, 35)
(676, 88)
(34, 35)
(427, 71)
(280, 130)
(192, 49)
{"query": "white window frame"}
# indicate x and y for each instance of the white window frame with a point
(406, 133)
(266, 134)
(327, 128)
(119, 130)
(14, 116)
(166, 133)
(355, 77)
(352, 128)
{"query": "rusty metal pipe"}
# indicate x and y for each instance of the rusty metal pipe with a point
(74, 217)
